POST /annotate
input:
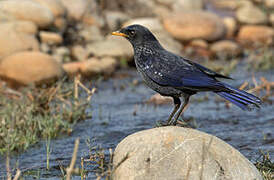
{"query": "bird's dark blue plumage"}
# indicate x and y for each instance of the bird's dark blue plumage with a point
(175, 76)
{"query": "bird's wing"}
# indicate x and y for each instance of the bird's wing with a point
(208, 71)
(172, 70)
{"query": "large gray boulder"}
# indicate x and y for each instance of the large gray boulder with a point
(179, 153)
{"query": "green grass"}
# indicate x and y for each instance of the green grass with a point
(266, 166)
(39, 113)
(261, 59)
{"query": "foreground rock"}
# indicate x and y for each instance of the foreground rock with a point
(194, 25)
(29, 11)
(30, 67)
(179, 153)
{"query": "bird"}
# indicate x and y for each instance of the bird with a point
(172, 75)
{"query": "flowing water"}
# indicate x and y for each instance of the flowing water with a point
(119, 109)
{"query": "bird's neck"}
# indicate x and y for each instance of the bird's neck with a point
(147, 47)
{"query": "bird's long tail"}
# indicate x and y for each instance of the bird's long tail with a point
(240, 98)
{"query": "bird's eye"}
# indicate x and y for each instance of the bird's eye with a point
(132, 32)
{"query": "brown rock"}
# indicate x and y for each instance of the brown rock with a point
(251, 15)
(179, 153)
(104, 65)
(6, 17)
(112, 46)
(231, 26)
(30, 67)
(199, 43)
(55, 6)
(91, 33)
(50, 38)
(17, 36)
(79, 53)
(194, 25)
(158, 99)
(92, 66)
(256, 34)
(226, 48)
(61, 54)
(60, 23)
(155, 26)
(114, 19)
(76, 9)
(269, 3)
(29, 11)
(190, 5)
(231, 4)
(271, 18)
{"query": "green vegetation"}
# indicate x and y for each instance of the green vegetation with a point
(262, 59)
(265, 166)
(39, 113)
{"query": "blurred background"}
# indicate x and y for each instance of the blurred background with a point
(50, 47)
(76, 34)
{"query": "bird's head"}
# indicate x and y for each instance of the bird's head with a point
(136, 34)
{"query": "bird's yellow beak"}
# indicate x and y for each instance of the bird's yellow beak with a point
(117, 33)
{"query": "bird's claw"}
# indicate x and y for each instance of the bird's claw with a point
(163, 124)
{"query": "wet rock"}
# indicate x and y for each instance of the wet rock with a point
(231, 26)
(182, 5)
(92, 66)
(256, 34)
(30, 67)
(17, 36)
(112, 46)
(114, 19)
(251, 15)
(225, 48)
(50, 38)
(158, 99)
(155, 26)
(199, 43)
(28, 10)
(179, 153)
(194, 25)
(55, 6)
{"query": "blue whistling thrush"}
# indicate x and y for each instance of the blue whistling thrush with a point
(175, 76)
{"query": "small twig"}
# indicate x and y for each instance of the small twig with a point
(8, 166)
(17, 175)
(243, 85)
(73, 159)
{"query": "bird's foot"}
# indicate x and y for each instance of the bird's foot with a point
(163, 124)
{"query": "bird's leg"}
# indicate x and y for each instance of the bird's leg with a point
(186, 100)
(177, 103)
